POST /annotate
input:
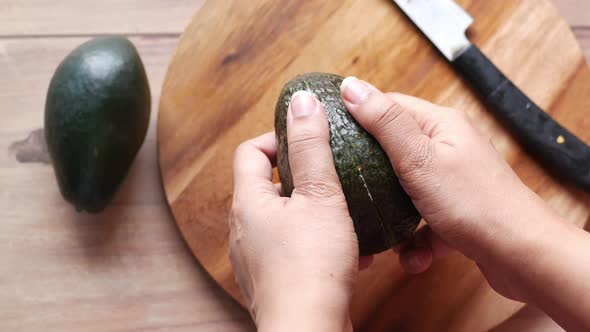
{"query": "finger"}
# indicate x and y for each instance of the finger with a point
(437, 245)
(426, 237)
(396, 128)
(252, 167)
(310, 156)
(424, 112)
(417, 254)
(365, 262)
(419, 108)
(429, 116)
(416, 260)
(278, 188)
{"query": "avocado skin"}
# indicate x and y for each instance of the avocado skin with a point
(386, 216)
(97, 114)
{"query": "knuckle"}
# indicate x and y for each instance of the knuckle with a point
(319, 189)
(243, 147)
(387, 114)
(238, 227)
(236, 213)
(419, 159)
(394, 95)
(233, 217)
(459, 114)
(305, 141)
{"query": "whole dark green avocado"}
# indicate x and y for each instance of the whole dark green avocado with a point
(382, 212)
(97, 113)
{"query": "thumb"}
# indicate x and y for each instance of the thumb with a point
(310, 156)
(394, 126)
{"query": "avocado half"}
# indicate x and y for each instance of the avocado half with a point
(383, 214)
(97, 114)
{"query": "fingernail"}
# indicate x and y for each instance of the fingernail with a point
(354, 90)
(303, 104)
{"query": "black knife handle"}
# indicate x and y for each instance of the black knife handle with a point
(544, 138)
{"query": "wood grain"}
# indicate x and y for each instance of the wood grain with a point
(251, 49)
(75, 17)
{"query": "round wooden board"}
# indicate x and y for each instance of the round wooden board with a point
(234, 58)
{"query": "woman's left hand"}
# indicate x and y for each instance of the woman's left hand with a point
(293, 257)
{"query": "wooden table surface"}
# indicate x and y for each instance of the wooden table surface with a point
(128, 268)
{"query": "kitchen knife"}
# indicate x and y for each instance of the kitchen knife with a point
(445, 23)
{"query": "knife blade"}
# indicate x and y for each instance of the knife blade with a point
(445, 23)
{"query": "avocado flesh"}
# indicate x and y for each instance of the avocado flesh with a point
(97, 113)
(383, 214)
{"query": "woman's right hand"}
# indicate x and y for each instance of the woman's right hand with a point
(469, 196)
(472, 201)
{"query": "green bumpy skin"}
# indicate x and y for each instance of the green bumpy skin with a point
(382, 212)
(97, 114)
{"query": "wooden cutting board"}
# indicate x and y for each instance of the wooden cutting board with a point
(235, 56)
